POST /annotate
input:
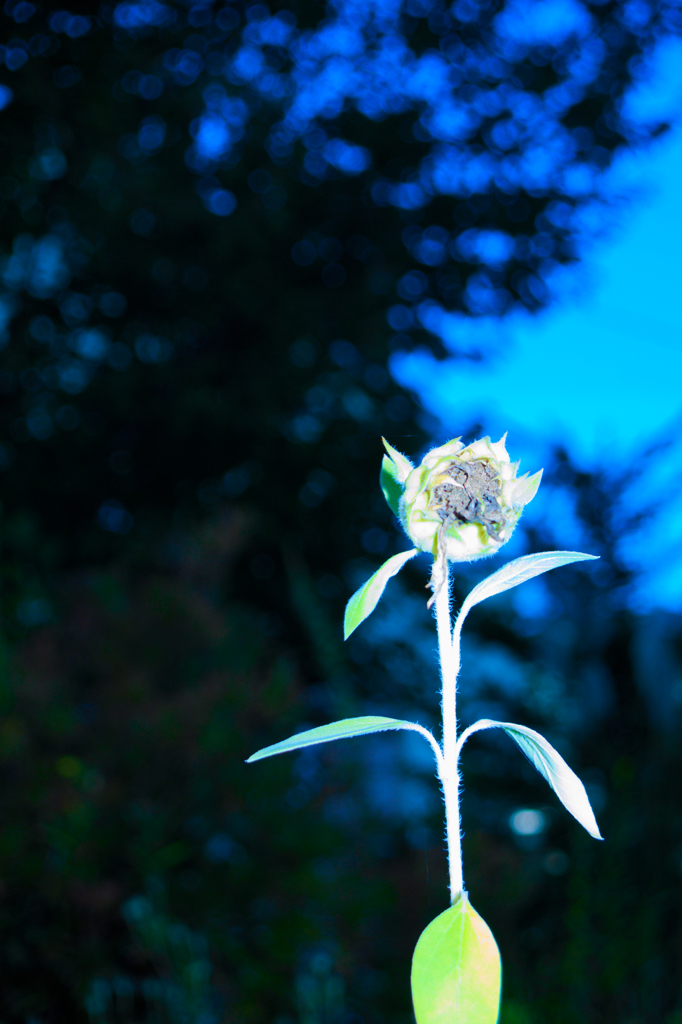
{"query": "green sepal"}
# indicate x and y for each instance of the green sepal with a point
(364, 601)
(401, 462)
(391, 487)
(395, 469)
(527, 487)
(456, 969)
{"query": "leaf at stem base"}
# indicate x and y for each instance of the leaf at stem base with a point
(456, 969)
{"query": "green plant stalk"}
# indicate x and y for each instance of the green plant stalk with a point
(456, 969)
(448, 648)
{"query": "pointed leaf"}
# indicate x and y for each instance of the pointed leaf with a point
(549, 763)
(343, 730)
(390, 485)
(364, 601)
(518, 571)
(527, 487)
(402, 464)
(456, 969)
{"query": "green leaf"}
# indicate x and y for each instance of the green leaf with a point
(390, 485)
(364, 601)
(343, 730)
(456, 969)
(550, 764)
(518, 571)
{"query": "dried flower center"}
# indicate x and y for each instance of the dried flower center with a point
(470, 492)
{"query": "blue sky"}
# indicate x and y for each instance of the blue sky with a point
(601, 369)
(604, 364)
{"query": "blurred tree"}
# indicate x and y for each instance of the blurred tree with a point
(219, 222)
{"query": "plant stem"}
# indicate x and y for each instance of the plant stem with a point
(449, 667)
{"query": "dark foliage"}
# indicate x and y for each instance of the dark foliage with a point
(218, 223)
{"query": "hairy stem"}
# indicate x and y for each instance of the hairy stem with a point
(449, 668)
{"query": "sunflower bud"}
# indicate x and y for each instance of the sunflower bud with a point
(462, 502)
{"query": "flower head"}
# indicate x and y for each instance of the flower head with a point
(462, 502)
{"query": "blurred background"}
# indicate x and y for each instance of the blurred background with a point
(239, 243)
